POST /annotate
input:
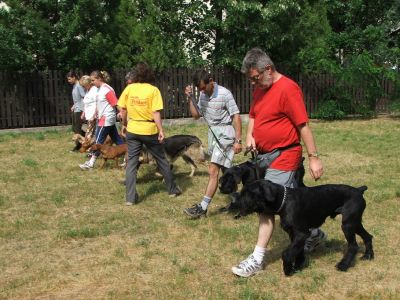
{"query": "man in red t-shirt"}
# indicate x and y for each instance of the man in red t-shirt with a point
(277, 119)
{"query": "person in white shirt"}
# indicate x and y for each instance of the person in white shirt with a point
(106, 102)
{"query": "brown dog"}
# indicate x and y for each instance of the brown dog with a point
(110, 152)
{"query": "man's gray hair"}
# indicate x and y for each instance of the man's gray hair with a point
(256, 59)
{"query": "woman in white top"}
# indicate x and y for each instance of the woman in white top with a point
(106, 102)
(89, 105)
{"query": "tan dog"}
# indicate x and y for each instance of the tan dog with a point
(188, 147)
(86, 143)
(110, 152)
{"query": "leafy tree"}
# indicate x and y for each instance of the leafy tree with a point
(84, 35)
(151, 30)
(12, 55)
(26, 24)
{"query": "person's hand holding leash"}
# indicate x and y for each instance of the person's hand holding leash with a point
(189, 91)
(161, 137)
(250, 143)
(237, 148)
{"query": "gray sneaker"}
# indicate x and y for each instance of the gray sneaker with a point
(248, 267)
(316, 238)
(196, 211)
(86, 166)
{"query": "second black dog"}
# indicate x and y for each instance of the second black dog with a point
(304, 208)
(246, 173)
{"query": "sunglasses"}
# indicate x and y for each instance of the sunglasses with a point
(256, 78)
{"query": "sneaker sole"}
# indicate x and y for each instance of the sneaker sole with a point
(238, 273)
(319, 242)
(194, 217)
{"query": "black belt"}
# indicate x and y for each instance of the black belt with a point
(152, 121)
(282, 148)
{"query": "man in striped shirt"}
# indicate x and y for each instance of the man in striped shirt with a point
(218, 107)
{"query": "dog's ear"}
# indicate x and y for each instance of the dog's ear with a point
(237, 177)
(270, 190)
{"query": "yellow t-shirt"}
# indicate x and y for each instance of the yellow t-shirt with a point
(141, 100)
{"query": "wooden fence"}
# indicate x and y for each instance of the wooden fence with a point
(44, 99)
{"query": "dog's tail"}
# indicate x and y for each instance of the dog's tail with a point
(362, 189)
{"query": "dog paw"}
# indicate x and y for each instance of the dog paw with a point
(288, 269)
(368, 256)
(300, 264)
(341, 266)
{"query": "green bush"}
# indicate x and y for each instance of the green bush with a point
(328, 110)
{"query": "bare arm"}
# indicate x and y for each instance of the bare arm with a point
(191, 99)
(250, 143)
(157, 120)
(237, 124)
(315, 163)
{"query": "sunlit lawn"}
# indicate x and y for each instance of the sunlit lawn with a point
(66, 233)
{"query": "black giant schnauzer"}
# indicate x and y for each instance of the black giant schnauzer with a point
(301, 209)
(247, 173)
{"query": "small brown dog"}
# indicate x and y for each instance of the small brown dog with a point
(86, 143)
(110, 152)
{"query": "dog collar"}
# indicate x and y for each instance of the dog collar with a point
(283, 200)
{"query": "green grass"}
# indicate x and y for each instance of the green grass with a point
(66, 234)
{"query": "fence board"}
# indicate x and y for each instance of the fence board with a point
(41, 99)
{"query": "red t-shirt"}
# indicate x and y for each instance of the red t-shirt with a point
(277, 112)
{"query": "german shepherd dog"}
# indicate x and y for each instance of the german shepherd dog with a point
(301, 209)
(189, 147)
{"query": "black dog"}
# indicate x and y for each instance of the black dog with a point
(304, 208)
(246, 173)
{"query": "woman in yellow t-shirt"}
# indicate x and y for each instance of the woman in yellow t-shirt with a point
(140, 104)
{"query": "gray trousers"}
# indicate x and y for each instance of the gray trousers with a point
(135, 142)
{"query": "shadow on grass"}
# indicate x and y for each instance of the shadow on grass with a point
(329, 247)
(157, 185)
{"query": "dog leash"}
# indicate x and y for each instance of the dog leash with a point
(283, 200)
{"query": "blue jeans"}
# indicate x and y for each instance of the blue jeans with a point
(101, 135)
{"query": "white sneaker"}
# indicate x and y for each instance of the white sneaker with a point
(316, 238)
(248, 267)
(86, 166)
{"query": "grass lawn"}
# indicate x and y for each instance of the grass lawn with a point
(66, 233)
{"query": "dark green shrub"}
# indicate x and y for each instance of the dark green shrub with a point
(328, 110)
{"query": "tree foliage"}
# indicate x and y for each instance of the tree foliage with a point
(308, 36)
